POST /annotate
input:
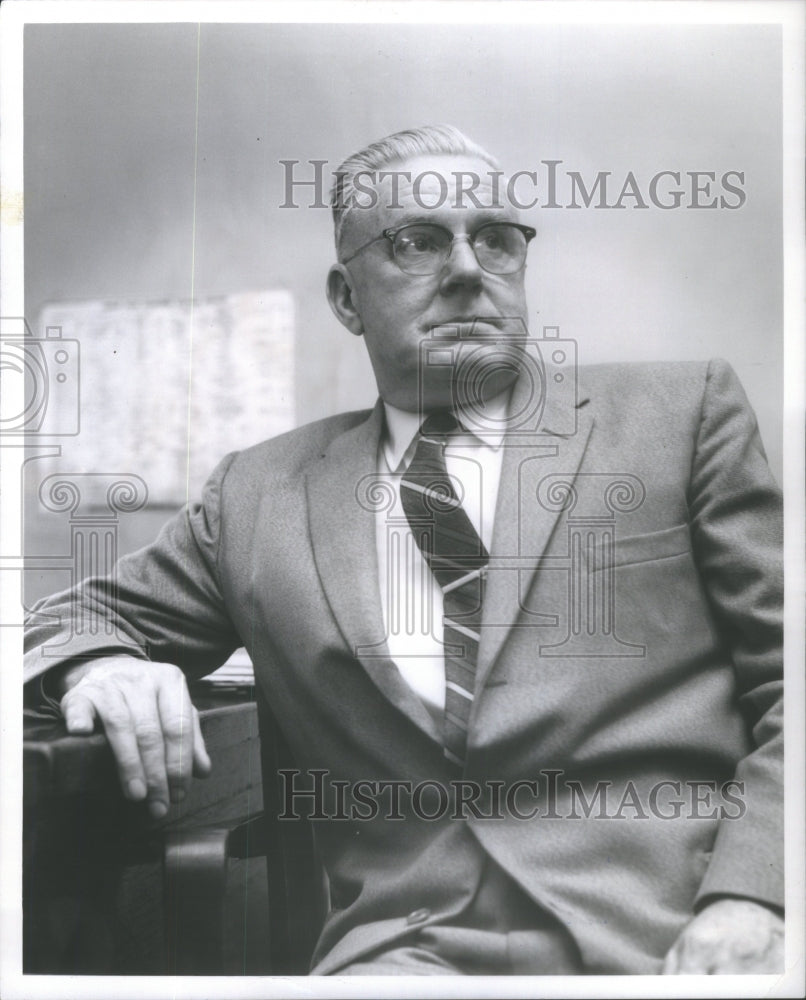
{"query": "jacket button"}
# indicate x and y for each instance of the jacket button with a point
(418, 916)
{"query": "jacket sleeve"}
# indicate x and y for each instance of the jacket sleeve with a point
(164, 602)
(736, 518)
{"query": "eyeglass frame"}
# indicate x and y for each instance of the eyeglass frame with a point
(529, 232)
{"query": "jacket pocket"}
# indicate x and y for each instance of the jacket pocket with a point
(634, 549)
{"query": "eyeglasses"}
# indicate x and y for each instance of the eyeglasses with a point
(424, 247)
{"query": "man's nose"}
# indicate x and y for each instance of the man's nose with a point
(462, 266)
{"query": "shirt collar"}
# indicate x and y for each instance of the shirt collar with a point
(403, 426)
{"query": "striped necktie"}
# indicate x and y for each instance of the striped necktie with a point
(457, 558)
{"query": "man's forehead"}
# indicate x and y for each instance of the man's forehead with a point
(445, 181)
(444, 188)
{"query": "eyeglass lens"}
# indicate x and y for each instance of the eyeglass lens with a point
(423, 248)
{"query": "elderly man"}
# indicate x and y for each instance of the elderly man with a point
(540, 611)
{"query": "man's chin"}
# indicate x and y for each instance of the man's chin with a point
(475, 392)
(483, 387)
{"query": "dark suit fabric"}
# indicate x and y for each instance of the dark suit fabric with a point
(279, 556)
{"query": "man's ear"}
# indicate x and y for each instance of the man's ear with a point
(342, 300)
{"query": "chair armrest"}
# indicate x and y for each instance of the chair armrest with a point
(194, 885)
(196, 868)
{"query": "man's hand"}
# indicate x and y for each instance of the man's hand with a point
(729, 937)
(149, 720)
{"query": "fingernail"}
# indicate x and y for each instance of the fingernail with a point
(157, 809)
(78, 725)
(136, 789)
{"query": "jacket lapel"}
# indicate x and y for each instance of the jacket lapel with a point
(342, 530)
(523, 527)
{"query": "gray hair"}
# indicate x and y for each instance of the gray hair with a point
(428, 139)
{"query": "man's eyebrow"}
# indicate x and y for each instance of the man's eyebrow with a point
(497, 214)
(413, 219)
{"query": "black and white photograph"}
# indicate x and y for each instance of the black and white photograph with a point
(402, 536)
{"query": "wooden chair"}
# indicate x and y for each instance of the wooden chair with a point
(195, 876)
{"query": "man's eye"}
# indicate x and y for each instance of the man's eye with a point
(492, 241)
(421, 243)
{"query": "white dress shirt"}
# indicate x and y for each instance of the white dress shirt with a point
(411, 599)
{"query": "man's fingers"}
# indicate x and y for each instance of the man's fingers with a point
(79, 712)
(176, 719)
(113, 711)
(671, 963)
(152, 727)
(696, 954)
(202, 765)
(729, 936)
(151, 744)
(693, 962)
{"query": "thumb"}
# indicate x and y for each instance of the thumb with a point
(202, 764)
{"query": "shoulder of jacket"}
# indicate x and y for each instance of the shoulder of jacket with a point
(288, 453)
(650, 381)
(644, 372)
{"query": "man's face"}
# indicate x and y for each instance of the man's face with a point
(395, 311)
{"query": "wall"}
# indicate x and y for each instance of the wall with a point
(120, 204)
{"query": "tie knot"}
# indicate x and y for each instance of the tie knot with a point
(440, 423)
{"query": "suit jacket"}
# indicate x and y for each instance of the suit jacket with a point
(631, 649)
